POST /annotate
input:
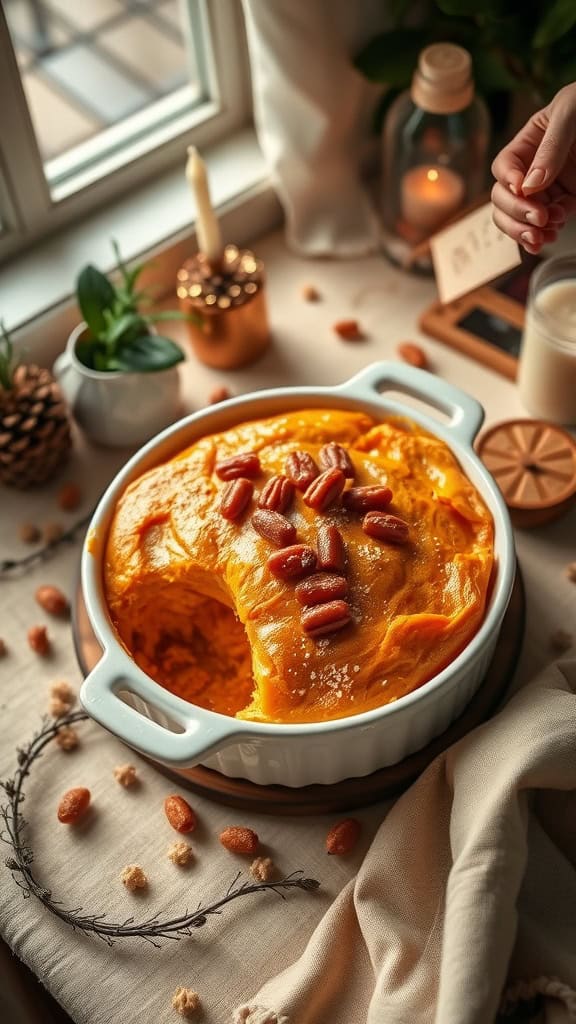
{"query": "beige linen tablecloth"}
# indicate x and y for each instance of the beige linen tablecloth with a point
(379, 935)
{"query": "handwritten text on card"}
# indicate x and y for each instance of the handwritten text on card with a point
(470, 253)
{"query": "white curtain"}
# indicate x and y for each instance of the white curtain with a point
(313, 112)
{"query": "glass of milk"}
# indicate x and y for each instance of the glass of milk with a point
(547, 372)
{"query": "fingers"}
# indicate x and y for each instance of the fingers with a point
(524, 211)
(554, 147)
(530, 237)
(513, 161)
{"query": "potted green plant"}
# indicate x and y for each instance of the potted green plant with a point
(118, 374)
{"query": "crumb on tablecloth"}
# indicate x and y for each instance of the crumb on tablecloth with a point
(126, 774)
(262, 869)
(185, 1001)
(180, 853)
(134, 877)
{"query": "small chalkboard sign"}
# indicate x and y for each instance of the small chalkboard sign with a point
(486, 324)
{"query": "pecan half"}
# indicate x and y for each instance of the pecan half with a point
(292, 563)
(323, 619)
(325, 489)
(273, 526)
(236, 497)
(333, 455)
(373, 498)
(246, 464)
(321, 587)
(411, 353)
(386, 527)
(331, 550)
(277, 494)
(301, 469)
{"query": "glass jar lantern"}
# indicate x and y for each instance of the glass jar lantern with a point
(435, 142)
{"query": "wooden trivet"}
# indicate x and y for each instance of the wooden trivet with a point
(359, 792)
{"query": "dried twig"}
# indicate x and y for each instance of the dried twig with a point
(16, 566)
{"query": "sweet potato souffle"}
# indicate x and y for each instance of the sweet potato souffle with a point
(300, 568)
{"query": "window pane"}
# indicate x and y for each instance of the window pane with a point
(100, 76)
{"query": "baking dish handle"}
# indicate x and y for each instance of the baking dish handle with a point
(191, 732)
(466, 414)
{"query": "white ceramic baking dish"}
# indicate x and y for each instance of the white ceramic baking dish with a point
(178, 734)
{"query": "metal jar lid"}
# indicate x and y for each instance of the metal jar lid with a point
(443, 82)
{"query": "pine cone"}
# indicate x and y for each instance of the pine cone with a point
(34, 428)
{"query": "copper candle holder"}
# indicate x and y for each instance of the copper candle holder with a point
(231, 325)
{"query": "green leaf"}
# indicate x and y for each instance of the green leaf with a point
(149, 353)
(471, 8)
(168, 314)
(390, 58)
(125, 328)
(491, 73)
(95, 294)
(559, 18)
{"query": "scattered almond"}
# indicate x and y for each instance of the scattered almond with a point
(220, 394)
(29, 533)
(179, 813)
(343, 836)
(238, 839)
(571, 571)
(38, 640)
(52, 601)
(561, 641)
(67, 738)
(52, 533)
(185, 1001)
(262, 869)
(61, 690)
(180, 853)
(348, 330)
(126, 775)
(73, 805)
(69, 497)
(411, 353)
(133, 877)
(310, 293)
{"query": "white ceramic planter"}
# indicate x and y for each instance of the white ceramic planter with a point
(117, 409)
(168, 729)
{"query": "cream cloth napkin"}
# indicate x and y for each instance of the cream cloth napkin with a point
(466, 893)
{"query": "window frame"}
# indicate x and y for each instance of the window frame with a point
(28, 210)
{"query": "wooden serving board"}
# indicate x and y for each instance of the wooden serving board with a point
(359, 792)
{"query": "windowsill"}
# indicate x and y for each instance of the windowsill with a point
(157, 218)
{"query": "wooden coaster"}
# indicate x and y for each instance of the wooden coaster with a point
(359, 792)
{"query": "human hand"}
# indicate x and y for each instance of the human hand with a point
(535, 190)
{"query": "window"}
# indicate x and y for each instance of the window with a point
(99, 96)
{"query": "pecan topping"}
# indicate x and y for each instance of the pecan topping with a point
(236, 497)
(325, 489)
(323, 619)
(320, 588)
(273, 526)
(246, 464)
(386, 527)
(333, 455)
(277, 494)
(301, 469)
(292, 563)
(367, 499)
(331, 550)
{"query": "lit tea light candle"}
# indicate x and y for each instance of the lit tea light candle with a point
(547, 374)
(207, 226)
(429, 196)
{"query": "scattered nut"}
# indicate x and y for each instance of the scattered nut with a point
(179, 813)
(262, 869)
(387, 528)
(293, 562)
(134, 877)
(52, 533)
(126, 774)
(246, 464)
(67, 738)
(73, 805)
(180, 853)
(301, 469)
(236, 496)
(348, 330)
(238, 839)
(571, 571)
(3, 648)
(185, 1001)
(62, 690)
(322, 620)
(53, 601)
(69, 497)
(343, 836)
(38, 640)
(561, 641)
(310, 294)
(57, 707)
(29, 533)
(331, 549)
(411, 353)
(273, 526)
(219, 395)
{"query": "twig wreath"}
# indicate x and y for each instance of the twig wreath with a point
(151, 929)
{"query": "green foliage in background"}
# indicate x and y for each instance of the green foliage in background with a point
(119, 336)
(515, 45)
